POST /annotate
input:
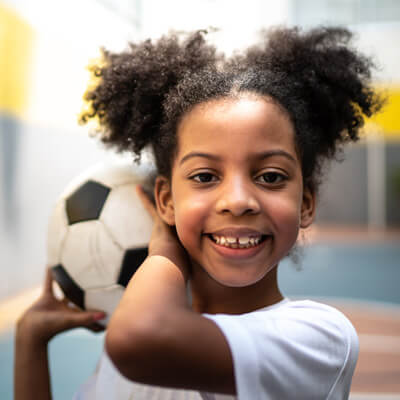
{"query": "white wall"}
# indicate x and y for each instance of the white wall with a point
(237, 20)
(382, 42)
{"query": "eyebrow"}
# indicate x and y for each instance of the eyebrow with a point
(199, 154)
(272, 153)
(260, 156)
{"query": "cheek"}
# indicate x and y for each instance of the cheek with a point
(189, 219)
(285, 214)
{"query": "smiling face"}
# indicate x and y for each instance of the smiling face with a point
(237, 197)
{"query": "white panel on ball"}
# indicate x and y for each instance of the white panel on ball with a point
(56, 234)
(91, 255)
(104, 299)
(86, 175)
(86, 252)
(122, 173)
(129, 223)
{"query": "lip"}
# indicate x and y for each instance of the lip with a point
(239, 254)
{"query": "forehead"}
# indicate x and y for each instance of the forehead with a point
(249, 122)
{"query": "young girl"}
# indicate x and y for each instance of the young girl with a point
(240, 144)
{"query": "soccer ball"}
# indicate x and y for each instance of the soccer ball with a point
(98, 234)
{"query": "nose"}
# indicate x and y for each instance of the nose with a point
(237, 197)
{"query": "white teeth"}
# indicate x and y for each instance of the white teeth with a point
(241, 242)
(244, 240)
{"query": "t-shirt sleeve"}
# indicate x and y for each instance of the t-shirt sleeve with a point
(304, 350)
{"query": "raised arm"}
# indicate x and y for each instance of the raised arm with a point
(154, 336)
(31, 367)
(43, 320)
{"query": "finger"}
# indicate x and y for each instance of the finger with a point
(48, 282)
(146, 201)
(84, 319)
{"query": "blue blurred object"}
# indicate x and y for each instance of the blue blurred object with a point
(73, 358)
(352, 271)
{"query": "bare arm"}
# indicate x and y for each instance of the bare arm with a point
(44, 319)
(155, 337)
(31, 368)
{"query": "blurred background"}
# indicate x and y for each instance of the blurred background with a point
(353, 251)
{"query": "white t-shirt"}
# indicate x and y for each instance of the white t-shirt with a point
(292, 349)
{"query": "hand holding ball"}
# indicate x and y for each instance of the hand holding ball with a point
(98, 234)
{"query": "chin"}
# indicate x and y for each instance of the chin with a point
(237, 280)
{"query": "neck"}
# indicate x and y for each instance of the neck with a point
(209, 296)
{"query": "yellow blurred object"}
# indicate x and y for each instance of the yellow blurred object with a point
(16, 43)
(12, 308)
(94, 68)
(388, 121)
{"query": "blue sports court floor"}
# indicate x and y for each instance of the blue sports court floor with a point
(366, 272)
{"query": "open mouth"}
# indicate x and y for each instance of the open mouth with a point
(242, 242)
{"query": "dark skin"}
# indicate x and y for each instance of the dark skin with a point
(223, 299)
(44, 319)
(168, 268)
(157, 346)
(325, 84)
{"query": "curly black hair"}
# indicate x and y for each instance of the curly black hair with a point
(322, 82)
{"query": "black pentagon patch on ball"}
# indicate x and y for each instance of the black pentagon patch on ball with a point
(133, 259)
(71, 290)
(86, 202)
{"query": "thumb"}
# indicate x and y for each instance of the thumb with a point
(84, 318)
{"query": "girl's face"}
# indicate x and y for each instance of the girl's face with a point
(237, 197)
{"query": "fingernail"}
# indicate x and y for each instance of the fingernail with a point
(99, 315)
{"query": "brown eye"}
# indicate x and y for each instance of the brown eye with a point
(204, 177)
(272, 178)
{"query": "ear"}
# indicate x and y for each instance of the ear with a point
(308, 208)
(163, 198)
